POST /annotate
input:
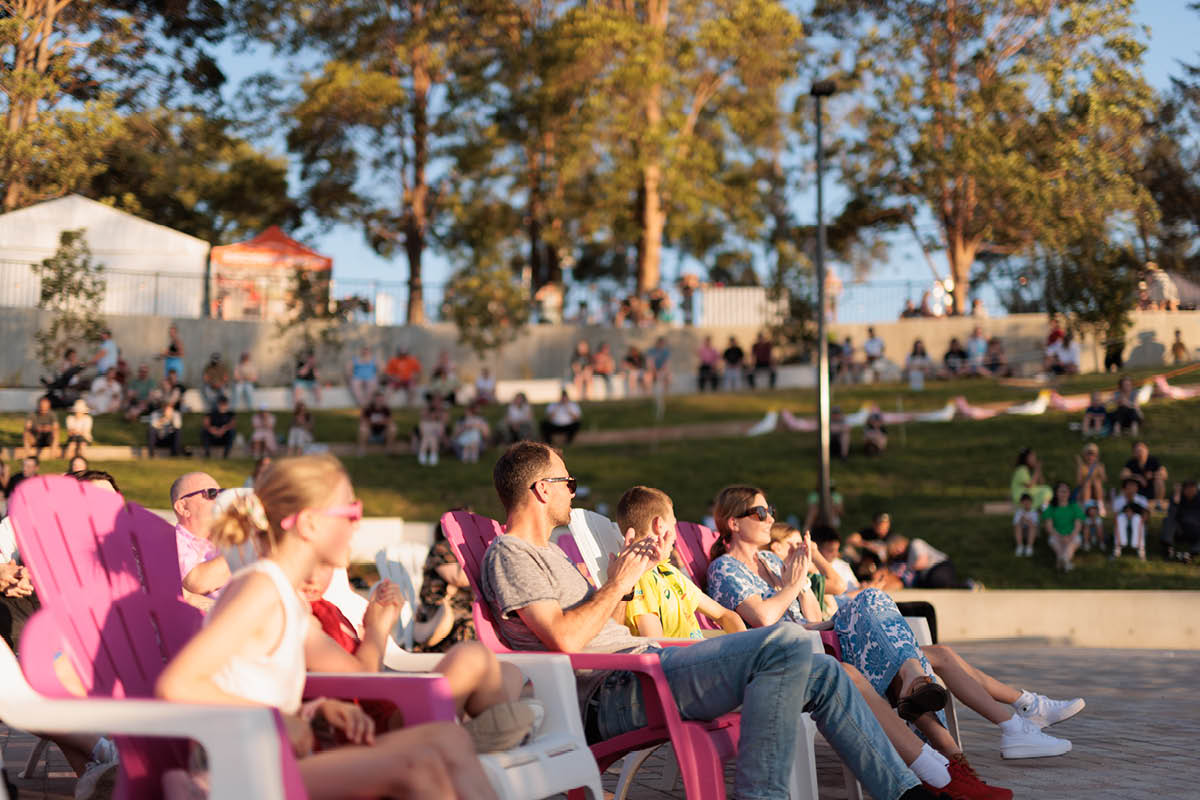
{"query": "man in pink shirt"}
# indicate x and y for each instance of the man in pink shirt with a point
(201, 566)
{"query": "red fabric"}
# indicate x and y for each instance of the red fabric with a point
(342, 631)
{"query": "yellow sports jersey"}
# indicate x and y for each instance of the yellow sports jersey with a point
(669, 595)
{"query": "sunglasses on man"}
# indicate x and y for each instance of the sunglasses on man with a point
(209, 494)
(762, 512)
(568, 480)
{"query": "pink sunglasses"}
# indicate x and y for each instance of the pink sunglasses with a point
(352, 512)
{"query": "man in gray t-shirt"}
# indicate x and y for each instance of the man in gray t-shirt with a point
(543, 603)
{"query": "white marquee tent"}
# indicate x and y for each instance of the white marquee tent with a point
(152, 269)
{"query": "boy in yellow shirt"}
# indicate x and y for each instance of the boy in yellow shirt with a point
(665, 600)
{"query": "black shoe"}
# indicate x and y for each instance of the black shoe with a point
(921, 793)
(924, 696)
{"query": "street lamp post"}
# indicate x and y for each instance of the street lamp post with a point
(819, 90)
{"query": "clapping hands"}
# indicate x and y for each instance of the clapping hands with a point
(384, 608)
(628, 566)
(14, 580)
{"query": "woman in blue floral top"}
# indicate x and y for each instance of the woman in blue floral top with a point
(877, 644)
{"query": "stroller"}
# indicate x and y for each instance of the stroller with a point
(61, 390)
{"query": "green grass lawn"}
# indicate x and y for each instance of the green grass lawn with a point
(933, 480)
(342, 425)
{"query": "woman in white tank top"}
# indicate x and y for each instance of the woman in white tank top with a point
(252, 648)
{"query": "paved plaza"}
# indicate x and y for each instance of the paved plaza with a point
(1137, 739)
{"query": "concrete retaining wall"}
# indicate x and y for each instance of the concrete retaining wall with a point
(1080, 618)
(543, 351)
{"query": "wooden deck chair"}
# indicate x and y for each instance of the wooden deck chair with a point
(107, 575)
(700, 747)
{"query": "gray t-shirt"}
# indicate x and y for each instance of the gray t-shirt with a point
(516, 574)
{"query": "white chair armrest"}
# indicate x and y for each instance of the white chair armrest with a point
(920, 630)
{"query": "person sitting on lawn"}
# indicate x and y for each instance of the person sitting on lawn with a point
(171, 390)
(1151, 476)
(1027, 479)
(431, 430)
(1025, 525)
(665, 600)
(485, 691)
(300, 433)
(956, 361)
(929, 567)
(402, 371)
(375, 425)
(202, 568)
(581, 369)
(106, 393)
(137, 393)
(1181, 529)
(214, 381)
(875, 439)
(1095, 416)
(485, 387)
(1126, 415)
(518, 419)
(362, 374)
(262, 436)
(1093, 527)
(471, 435)
(561, 417)
(164, 429)
(1063, 522)
(258, 642)
(995, 361)
(542, 602)
(220, 428)
(1131, 510)
(79, 429)
(1090, 477)
(41, 429)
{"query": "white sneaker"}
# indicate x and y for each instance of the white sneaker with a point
(1020, 551)
(1044, 712)
(1029, 551)
(1030, 742)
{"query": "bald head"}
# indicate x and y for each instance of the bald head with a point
(193, 508)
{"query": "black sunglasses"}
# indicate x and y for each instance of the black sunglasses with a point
(209, 494)
(762, 512)
(569, 481)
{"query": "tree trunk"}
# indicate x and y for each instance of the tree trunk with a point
(417, 211)
(961, 255)
(649, 273)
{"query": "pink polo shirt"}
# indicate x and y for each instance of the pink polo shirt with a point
(193, 551)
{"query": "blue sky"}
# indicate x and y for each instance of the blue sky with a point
(1174, 36)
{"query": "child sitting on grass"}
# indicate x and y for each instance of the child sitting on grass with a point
(1095, 416)
(1025, 526)
(1093, 526)
(665, 600)
(258, 642)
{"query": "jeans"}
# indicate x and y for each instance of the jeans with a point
(243, 391)
(773, 675)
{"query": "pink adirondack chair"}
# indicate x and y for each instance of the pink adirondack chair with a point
(693, 543)
(107, 575)
(700, 747)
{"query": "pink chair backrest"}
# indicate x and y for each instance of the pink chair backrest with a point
(692, 544)
(469, 536)
(566, 542)
(107, 576)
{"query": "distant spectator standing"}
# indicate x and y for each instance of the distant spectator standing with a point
(1179, 351)
(245, 376)
(164, 429)
(41, 429)
(561, 417)
(763, 361)
(215, 381)
(220, 427)
(108, 355)
(485, 387)
(1063, 521)
(1163, 294)
(79, 430)
(833, 293)
(604, 367)
(1150, 475)
(581, 369)
(1126, 415)
(658, 359)
(363, 376)
(518, 419)
(403, 370)
(873, 349)
(977, 347)
(1025, 525)
(375, 424)
(300, 433)
(637, 375)
(172, 355)
(262, 433)
(306, 378)
(708, 356)
(978, 309)
(735, 365)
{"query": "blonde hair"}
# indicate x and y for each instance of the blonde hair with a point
(288, 486)
(780, 531)
(639, 506)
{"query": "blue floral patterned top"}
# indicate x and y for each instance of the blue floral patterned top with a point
(730, 582)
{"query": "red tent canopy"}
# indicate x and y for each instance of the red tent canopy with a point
(271, 249)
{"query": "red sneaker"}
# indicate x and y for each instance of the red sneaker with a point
(966, 780)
